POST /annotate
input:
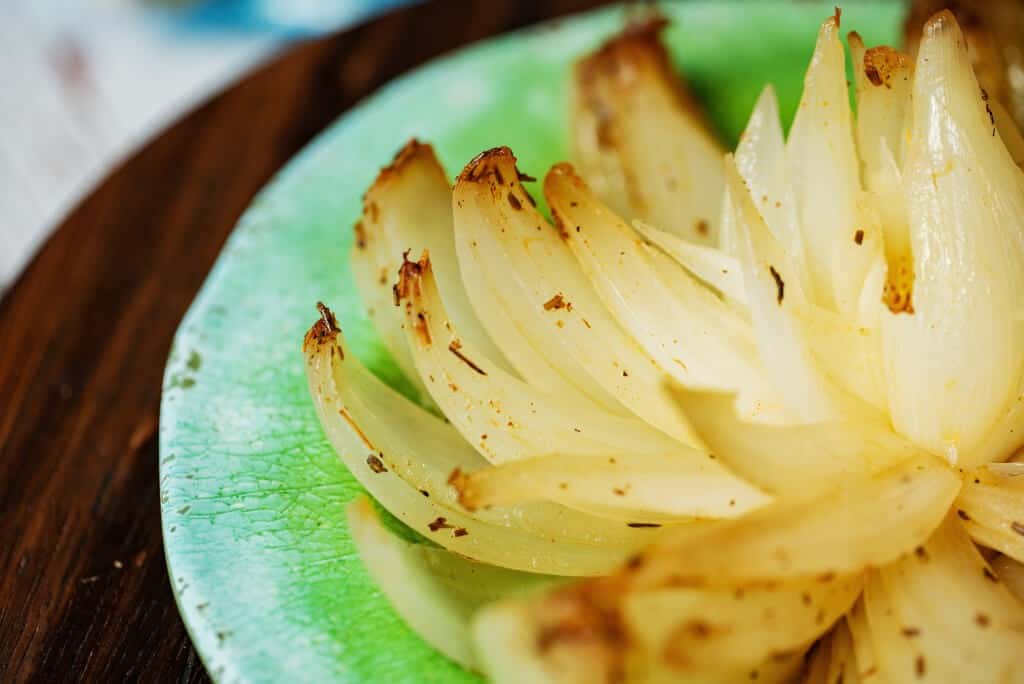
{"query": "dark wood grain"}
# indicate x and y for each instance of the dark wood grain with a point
(84, 334)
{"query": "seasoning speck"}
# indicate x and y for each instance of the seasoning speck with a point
(557, 302)
(780, 286)
(438, 524)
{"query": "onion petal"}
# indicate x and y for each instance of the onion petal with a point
(794, 460)
(953, 365)
(694, 336)
(991, 506)
(435, 591)
(823, 168)
(941, 614)
(403, 455)
(863, 522)
(639, 137)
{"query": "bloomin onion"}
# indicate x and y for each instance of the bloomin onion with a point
(766, 406)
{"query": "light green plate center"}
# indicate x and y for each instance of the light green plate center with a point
(264, 570)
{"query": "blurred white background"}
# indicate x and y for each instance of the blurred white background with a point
(84, 82)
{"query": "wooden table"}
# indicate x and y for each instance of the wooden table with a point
(84, 334)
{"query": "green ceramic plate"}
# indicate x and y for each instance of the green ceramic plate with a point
(264, 570)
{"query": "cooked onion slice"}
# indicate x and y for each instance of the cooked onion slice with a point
(541, 284)
(761, 161)
(713, 266)
(783, 349)
(991, 506)
(694, 336)
(613, 462)
(639, 488)
(863, 522)
(574, 637)
(823, 168)
(954, 364)
(408, 209)
(505, 418)
(941, 614)
(374, 275)
(404, 455)
(414, 200)
(794, 460)
(608, 627)
(639, 137)
(711, 630)
(436, 592)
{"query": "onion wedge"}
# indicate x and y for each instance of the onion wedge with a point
(709, 630)
(783, 349)
(566, 639)
(374, 277)
(716, 268)
(639, 136)
(991, 506)
(942, 615)
(411, 202)
(640, 488)
(436, 592)
(615, 463)
(503, 417)
(592, 631)
(864, 522)
(965, 205)
(761, 161)
(404, 455)
(793, 460)
(694, 336)
(823, 168)
(408, 209)
(563, 319)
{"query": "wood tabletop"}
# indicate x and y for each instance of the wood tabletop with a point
(85, 332)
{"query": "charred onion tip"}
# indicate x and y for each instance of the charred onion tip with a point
(488, 160)
(410, 151)
(641, 31)
(327, 317)
(325, 329)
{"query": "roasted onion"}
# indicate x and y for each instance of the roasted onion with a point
(764, 404)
